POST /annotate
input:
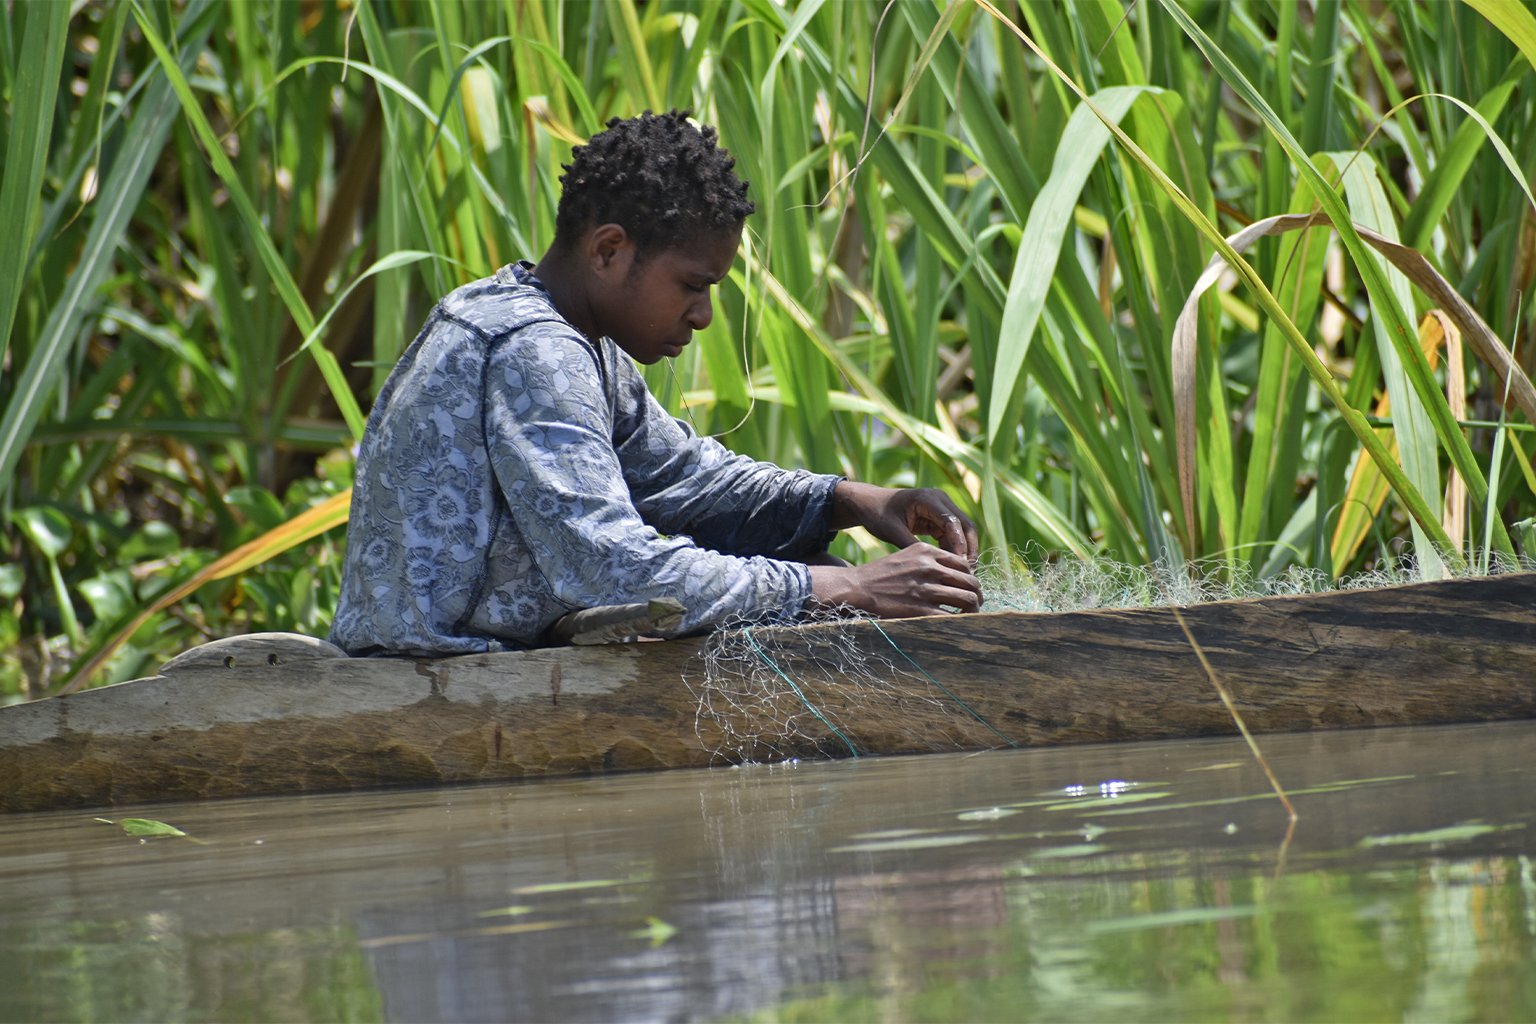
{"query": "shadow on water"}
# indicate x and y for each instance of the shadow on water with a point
(1135, 881)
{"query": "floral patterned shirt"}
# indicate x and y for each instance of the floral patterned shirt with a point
(513, 471)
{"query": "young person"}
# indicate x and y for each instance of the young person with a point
(516, 468)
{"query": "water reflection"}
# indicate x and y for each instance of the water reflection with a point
(1133, 881)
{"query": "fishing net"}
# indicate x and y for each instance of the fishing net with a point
(769, 694)
(766, 694)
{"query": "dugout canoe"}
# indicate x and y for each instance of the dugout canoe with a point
(263, 716)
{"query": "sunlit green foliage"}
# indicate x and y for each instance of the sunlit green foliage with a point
(228, 220)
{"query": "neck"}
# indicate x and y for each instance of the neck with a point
(566, 281)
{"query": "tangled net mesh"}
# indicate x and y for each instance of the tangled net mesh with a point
(768, 694)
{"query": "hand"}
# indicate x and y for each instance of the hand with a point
(920, 579)
(898, 515)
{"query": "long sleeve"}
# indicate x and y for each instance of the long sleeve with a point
(549, 428)
(684, 484)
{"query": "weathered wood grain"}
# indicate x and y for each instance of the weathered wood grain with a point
(252, 717)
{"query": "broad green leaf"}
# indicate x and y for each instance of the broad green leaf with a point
(46, 527)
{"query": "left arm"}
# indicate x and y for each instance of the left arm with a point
(685, 484)
(898, 515)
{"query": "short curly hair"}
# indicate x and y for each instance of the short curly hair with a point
(659, 176)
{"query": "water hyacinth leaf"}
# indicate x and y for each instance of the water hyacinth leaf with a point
(46, 527)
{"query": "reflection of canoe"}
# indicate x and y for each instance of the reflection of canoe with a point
(243, 718)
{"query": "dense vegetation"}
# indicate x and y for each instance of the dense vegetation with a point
(226, 219)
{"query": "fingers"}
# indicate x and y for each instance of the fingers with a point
(941, 579)
(945, 523)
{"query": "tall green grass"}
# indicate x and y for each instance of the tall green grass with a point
(977, 225)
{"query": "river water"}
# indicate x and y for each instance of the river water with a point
(1153, 881)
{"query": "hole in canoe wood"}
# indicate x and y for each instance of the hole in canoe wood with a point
(271, 659)
(229, 661)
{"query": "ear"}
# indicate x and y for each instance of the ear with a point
(609, 250)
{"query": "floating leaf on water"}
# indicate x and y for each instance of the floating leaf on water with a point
(1065, 852)
(1449, 834)
(144, 827)
(597, 883)
(1219, 767)
(409, 938)
(512, 911)
(1116, 800)
(913, 843)
(894, 833)
(986, 814)
(657, 930)
(1174, 918)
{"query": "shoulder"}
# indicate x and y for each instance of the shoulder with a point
(503, 304)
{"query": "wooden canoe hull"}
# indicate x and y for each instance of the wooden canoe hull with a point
(1452, 651)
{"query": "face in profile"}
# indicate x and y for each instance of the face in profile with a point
(661, 296)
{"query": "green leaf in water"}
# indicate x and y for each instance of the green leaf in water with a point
(1449, 834)
(1115, 800)
(144, 827)
(512, 911)
(657, 930)
(1218, 767)
(1064, 852)
(547, 887)
(913, 843)
(1173, 918)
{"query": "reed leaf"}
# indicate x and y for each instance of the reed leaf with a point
(33, 91)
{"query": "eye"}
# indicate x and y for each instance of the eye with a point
(699, 288)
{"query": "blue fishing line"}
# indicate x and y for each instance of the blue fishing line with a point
(951, 694)
(852, 750)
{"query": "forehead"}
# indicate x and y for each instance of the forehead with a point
(707, 255)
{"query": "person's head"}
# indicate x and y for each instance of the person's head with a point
(653, 208)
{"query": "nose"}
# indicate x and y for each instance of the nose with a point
(700, 313)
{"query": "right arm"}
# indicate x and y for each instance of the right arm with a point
(920, 579)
